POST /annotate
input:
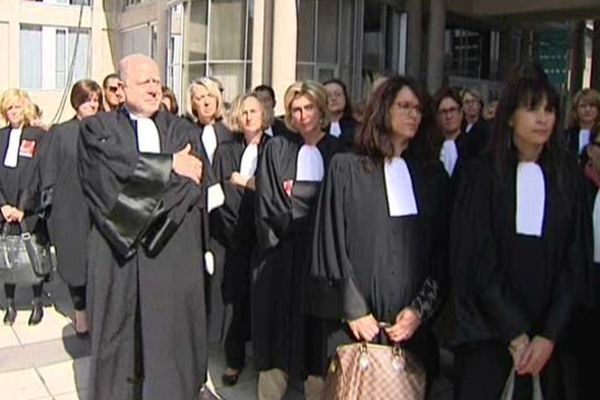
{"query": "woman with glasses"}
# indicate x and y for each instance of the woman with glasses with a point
(379, 248)
(343, 125)
(520, 252)
(457, 146)
(19, 185)
(584, 121)
(65, 208)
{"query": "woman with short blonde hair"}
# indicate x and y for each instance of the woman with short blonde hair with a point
(205, 107)
(19, 186)
(288, 179)
(584, 122)
(313, 90)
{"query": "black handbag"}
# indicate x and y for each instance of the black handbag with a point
(25, 259)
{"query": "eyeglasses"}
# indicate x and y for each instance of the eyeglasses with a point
(407, 108)
(448, 111)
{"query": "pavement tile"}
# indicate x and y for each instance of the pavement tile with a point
(8, 337)
(53, 326)
(23, 385)
(66, 377)
(81, 395)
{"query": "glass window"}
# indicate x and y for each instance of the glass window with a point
(61, 58)
(306, 30)
(197, 30)
(81, 39)
(31, 57)
(327, 31)
(232, 78)
(227, 30)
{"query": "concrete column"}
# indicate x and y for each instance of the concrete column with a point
(414, 8)
(285, 38)
(595, 79)
(506, 54)
(162, 37)
(259, 28)
(435, 44)
(577, 57)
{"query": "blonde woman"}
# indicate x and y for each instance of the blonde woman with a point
(288, 179)
(19, 185)
(584, 121)
(233, 223)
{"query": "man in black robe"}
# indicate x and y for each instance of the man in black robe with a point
(142, 186)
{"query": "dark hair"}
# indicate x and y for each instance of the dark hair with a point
(528, 87)
(108, 78)
(348, 107)
(168, 93)
(374, 139)
(446, 92)
(82, 90)
(266, 88)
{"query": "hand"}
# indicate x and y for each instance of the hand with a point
(364, 328)
(185, 164)
(7, 211)
(238, 179)
(536, 356)
(517, 348)
(17, 215)
(407, 322)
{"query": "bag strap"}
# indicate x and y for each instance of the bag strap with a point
(5, 255)
(509, 387)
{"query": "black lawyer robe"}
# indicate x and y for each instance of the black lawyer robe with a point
(146, 271)
(233, 227)
(506, 284)
(66, 212)
(365, 261)
(284, 216)
(349, 128)
(20, 186)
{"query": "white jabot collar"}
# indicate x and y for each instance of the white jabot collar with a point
(11, 158)
(584, 139)
(269, 131)
(335, 129)
(399, 188)
(596, 221)
(209, 140)
(449, 156)
(249, 160)
(148, 139)
(469, 127)
(531, 199)
(309, 166)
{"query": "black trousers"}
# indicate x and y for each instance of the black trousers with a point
(78, 294)
(9, 290)
(483, 368)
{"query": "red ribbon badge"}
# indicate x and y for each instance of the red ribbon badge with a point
(287, 186)
(27, 148)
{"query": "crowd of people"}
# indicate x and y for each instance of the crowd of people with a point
(422, 220)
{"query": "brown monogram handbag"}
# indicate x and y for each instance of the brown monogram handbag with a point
(364, 371)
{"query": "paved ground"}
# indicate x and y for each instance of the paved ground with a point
(48, 362)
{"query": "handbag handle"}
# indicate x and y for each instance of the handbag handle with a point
(5, 255)
(509, 387)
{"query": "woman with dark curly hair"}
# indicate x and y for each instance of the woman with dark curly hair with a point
(379, 248)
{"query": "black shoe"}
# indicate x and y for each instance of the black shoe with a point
(37, 313)
(230, 380)
(10, 314)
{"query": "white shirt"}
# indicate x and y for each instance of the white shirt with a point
(531, 199)
(468, 129)
(596, 222)
(449, 155)
(148, 139)
(399, 188)
(249, 161)
(209, 140)
(335, 129)
(12, 153)
(309, 165)
(584, 139)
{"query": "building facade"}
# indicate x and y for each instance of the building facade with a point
(49, 45)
